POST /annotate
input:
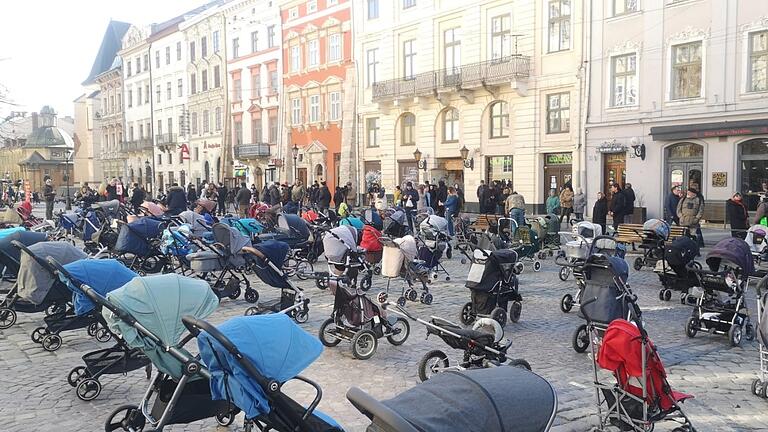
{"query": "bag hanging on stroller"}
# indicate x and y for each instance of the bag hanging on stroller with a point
(399, 261)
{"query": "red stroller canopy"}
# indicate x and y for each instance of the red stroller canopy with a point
(370, 241)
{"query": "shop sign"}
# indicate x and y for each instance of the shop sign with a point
(558, 158)
(452, 164)
(720, 179)
(611, 147)
(276, 162)
(211, 145)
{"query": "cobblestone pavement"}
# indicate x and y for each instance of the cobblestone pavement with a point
(36, 396)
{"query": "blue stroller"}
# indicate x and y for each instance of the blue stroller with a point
(138, 246)
(10, 255)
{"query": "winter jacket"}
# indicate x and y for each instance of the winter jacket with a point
(452, 204)
(600, 211)
(191, 194)
(274, 195)
(111, 193)
(324, 197)
(579, 203)
(515, 200)
(566, 198)
(338, 197)
(298, 194)
(221, 194)
(413, 195)
(736, 214)
(243, 197)
(670, 205)
(618, 203)
(553, 205)
(690, 211)
(138, 196)
(397, 195)
(177, 200)
(442, 192)
(351, 196)
(629, 201)
(49, 193)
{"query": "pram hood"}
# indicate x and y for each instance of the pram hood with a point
(372, 217)
(153, 208)
(352, 221)
(370, 239)
(679, 253)
(588, 230)
(34, 281)
(110, 207)
(247, 226)
(134, 237)
(277, 347)
(658, 227)
(103, 275)
(500, 399)
(338, 241)
(9, 254)
(275, 251)
(230, 237)
(434, 223)
(735, 251)
(207, 204)
(196, 222)
(398, 216)
(8, 231)
(294, 225)
(757, 232)
(615, 267)
(408, 246)
(158, 303)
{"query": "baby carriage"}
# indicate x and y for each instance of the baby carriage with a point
(492, 282)
(721, 307)
(526, 244)
(292, 229)
(434, 242)
(197, 223)
(755, 238)
(497, 399)
(138, 245)
(396, 224)
(760, 384)
(547, 229)
(104, 276)
(10, 256)
(370, 240)
(399, 261)
(147, 313)
(576, 249)
(267, 262)
(345, 259)
(674, 269)
(654, 235)
(372, 217)
(250, 359)
(9, 218)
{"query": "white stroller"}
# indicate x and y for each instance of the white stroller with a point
(757, 243)
(399, 261)
(434, 241)
(345, 258)
(577, 244)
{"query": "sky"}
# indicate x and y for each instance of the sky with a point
(48, 46)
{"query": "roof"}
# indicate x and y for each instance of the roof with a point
(110, 45)
(21, 127)
(34, 158)
(49, 137)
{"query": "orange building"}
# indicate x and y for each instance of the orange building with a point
(317, 69)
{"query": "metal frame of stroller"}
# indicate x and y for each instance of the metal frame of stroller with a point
(292, 301)
(408, 276)
(507, 286)
(522, 242)
(577, 267)
(760, 384)
(440, 238)
(154, 262)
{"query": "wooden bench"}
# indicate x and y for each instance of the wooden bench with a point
(484, 221)
(630, 233)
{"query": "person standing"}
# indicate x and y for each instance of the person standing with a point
(566, 204)
(397, 195)
(351, 195)
(191, 194)
(138, 196)
(298, 193)
(460, 194)
(690, 209)
(553, 202)
(49, 194)
(324, 197)
(481, 190)
(422, 198)
(670, 205)
(442, 195)
(243, 199)
(737, 215)
(629, 202)
(514, 206)
(274, 194)
(176, 200)
(451, 208)
(408, 202)
(617, 206)
(221, 194)
(600, 211)
(433, 197)
(579, 204)
(112, 190)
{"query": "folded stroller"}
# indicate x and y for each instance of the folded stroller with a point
(434, 241)
(10, 257)
(399, 261)
(674, 269)
(138, 246)
(498, 399)
(760, 384)
(396, 224)
(493, 284)
(104, 276)
(721, 307)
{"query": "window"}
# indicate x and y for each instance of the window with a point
(178, 51)
(203, 47)
(373, 65)
(407, 4)
(335, 102)
(130, 98)
(409, 58)
(408, 129)
(499, 120)
(451, 125)
(138, 63)
(204, 80)
(293, 12)
(558, 113)
(559, 25)
(254, 41)
(272, 127)
(295, 111)
(170, 125)
(130, 133)
(500, 37)
(218, 118)
(167, 55)
(332, 2)
(157, 59)
(295, 58)
(170, 173)
(157, 93)
(273, 82)
(237, 90)
(238, 132)
(160, 159)
(313, 53)
(311, 6)
(270, 36)
(256, 135)
(216, 77)
(146, 63)
(686, 71)
(146, 93)
(334, 47)
(192, 51)
(180, 87)
(128, 69)
(138, 93)
(621, 7)
(206, 121)
(372, 131)
(373, 9)
(758, 61)
(624, 80)
(193, 83)
(159, 127)
(183, 128)
(255, 86)
(452, 47)
(168, 90)
(141, 131)
(235, 48)
(193, 122)
(197, 154)
(216, 44)
(314, 108)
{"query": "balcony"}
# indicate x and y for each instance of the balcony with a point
(463, 79)
(166, 139)
(136, 145)
(252, 151)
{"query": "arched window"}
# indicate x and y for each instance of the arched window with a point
(451, 125)
(318, 172)
(408, 129)
(499, 120)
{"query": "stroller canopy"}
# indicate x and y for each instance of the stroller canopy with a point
(735, 251)
(658, 227)
(352, 221)
(588, 230)
(275, 251)
(436, 224)
(370, 239)
(338, 241)
(8, 231)
(104, 276)
(500, 399)
(407, 245)
(372, 217)
(158, 303)
(110, 207)
(680, 252)
(9, 254)
(294, 225)
(134, 237)
(34, 281)
(398, 216)
(230, 237)
(196, 222)
(277, 347)
(10, 216)
(153, 208)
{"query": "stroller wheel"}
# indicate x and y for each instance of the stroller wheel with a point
(541, 255)
(235, 293)
(581, 339)
(88, 389)
(432, 363)
(463, 260)
(377, 270)
(667, 295)
(301, 316)
(52, 342)
(77, 374)
(518, 268)
(251, 311)
(7, 318)
(103, 335)
(381, 297)
(638, 263)
(326, 337)
(321, 283)
(749, 332)
(764, 393)
(683, 298)
(536, 266)
(304, 269)
(411, 294)
(225, 419)
(364, 344)
(757, 387)
(661, 294)
(522, 364)
(426, 298)
(365, 283)
(38, 334)
(400, 331)
(564, 273)
(566, 303)
(691, 327)
(401, 301)
(92, 328)
(251, 295)
(55, 309)
(132, 420)
(467, 315)
(449, 253)
(735, 335)
(499, 315)
(515, 309)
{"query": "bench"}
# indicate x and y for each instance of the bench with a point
(484, 221)
(630, 233)
(714, 212)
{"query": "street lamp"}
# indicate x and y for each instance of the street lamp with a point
(295, 151)
(69, 154)
(468, 163)
(421, 164)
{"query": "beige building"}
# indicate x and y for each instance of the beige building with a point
(109, 121)
(500, 79)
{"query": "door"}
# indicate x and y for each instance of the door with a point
(303, 175)
(614, 170)
(555, 177)
(684, 166)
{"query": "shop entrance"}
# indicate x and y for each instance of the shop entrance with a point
(753, 170)
(557, 171)
(684, 166)
(614, 170)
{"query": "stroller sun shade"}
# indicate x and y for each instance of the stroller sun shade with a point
(370, 239)
(398, 216)
(371, 217)
(110, 207)
(588, 230)
(338, 241)
(294, 225)
(275, 251)
(277, 347)
(10, 255)
(134, 237)
(407, 245)
(436, 224)
(196, 222)
(158, 303)
(104, 276)
(657, 227)
(34, 281)
(735, 251)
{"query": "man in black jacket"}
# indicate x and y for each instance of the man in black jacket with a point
(138, 196)
(618, 206)
(442, 195)
(243, 200)
(629, 202)
(49, 194)
(221, 195)
(324, 197)
(177, 200)
(481, 193)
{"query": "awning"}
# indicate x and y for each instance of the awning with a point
(707, 130)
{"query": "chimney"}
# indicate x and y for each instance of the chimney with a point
(35, 123)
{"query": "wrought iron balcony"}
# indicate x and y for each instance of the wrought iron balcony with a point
(466, 77)
(166, 139)
(250, 151)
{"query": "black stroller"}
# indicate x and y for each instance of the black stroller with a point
(10, 305)
(9, 255)
(138, 246)
(396, 224)
(493, 283)
(673, 269)
(654, 235)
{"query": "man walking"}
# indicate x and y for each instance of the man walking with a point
(49, 194)
(243, 200)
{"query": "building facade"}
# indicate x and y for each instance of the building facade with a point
(507, 94)
(109, 121)
(318, 91)
(255, 83)
(677, 97)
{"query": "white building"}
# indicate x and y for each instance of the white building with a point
(255, 79)
(677, 96)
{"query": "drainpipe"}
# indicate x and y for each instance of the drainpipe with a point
(586, 71)
(152, 117)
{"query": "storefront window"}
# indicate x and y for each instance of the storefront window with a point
(685, 151)
(499, 168)
(409, 172)
(753, 163)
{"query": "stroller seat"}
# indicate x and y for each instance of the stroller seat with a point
(479, 337)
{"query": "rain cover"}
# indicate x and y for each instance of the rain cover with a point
(338, 241)
(35, 281)
(134, 237)
(196, 222)
(407, 245)
(733, 250)
(277, 347)
(158, 303)
(104, 276)
(9, 254)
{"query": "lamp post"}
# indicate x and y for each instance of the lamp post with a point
(468, 163)
(295, 152)
(421, 164)
(69, 154)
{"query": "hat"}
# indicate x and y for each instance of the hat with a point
(693, 189)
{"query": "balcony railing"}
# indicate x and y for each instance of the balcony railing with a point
(137, 145)
(247, 151)
(469, 76)
(166, 138)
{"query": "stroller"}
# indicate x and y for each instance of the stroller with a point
(547, 229)
(576, 249)
(760, 384)
(294, 231)
(674, 269)
(399, 261)
(755, 238)
(147, 313)
(434, 242)
(721, 307)
(527, 245)
(497, 399)
(138, 246)
(396, 224)
(250, 359)
(104, 276)
(654, 235)
(370, 240)
(267, 262)
(10, 256)
(345, 259)
(492, 282)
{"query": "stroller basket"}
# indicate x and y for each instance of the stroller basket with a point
(111, 362)
(195, 402)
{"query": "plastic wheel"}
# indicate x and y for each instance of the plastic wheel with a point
(749, 332)
(321, 283)
(131, 420)
(251, 311)
(499, 315)
(463, 260)
(764, 393)
(304, 269)
(88, 389)
(326, 338)
(537, 266)
(103, 335)
(518, 268)
(251, 295)
(757, 387)
(55, 309)
(661, 294)
(515, 309)
(564, 273)
(7, 318)
(401, 301)
(364, 344)
(52, 342)
(412, 295)
(447, 278)
(225, 419)
(566, 303)
(381, 297)
(432, 363)
(92, 328)
(581, 339)
(691, 327)
(427, 299)
(403, 330)
(519, 363)
(366, 282)
(38, 334)
(449, 253)
(735, 335)
(667, 295)
(467, 315)
(638, 263)
(77, 374)
(301, 316)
